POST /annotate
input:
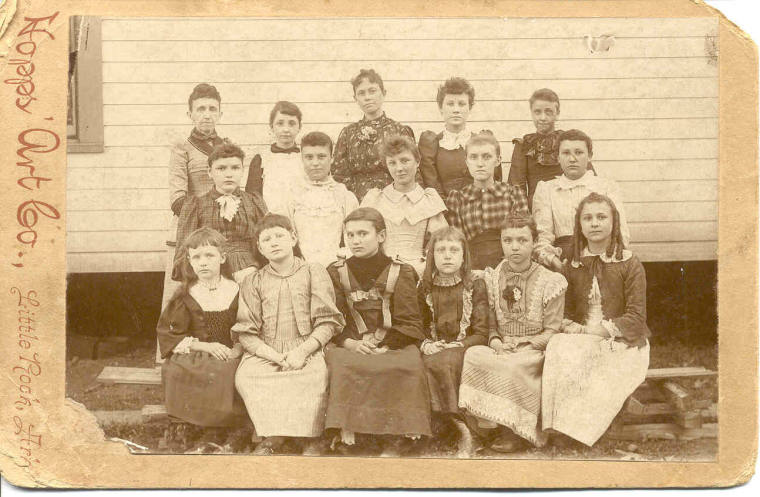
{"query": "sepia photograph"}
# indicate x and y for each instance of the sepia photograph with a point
(408, 237)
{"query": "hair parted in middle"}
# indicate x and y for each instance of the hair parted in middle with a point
(544, 94)
(455, 86)
(520, 219)
(577, 135)
(484, 137)
(201, 237)
(396, 144)
(317, 139)
(267, 222)
(224, 150)
(448, 233)
(203, 90)
(616, 245)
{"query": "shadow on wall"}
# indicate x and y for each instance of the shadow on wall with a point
(108, 311)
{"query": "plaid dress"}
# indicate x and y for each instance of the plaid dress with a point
(198, 212)
(479, 213)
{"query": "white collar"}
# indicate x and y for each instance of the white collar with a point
(452, 141)
(627, 254)
(396, 196)
(563, 182)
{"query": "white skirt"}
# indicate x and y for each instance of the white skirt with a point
(586, 381)
(284, 403)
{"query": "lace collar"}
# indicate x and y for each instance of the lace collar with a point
(446, 279)
(603, 257)
(453, 141)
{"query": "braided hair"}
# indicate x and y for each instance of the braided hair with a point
(616, 244)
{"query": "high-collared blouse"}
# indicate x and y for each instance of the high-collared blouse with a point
(357, 162)
(535, 158)
(317, 210)
(474, 210)
(554, 207)
(526, 306)
(623, 288)
(313, 302)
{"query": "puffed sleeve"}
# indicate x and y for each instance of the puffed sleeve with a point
(406, 325)
(633, 323)
(428, 147)
(519, 199)
(613, 191)
(189, 221)
(249, 322)
(255, 182)
(518, 171)
(453, 203)
(479, 317)
(173, 326)
(326, 320)
(371, 198)
(178, 161)
(542, 213)
(340, 168)
(553, 300)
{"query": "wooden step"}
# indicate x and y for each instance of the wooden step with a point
(153, 413)
(134, 376)
(687, 372)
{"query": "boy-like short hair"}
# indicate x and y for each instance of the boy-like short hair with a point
(544, 94)
(396, 144)
(455, 86)
(203, 90)
(370, 75)
(577, 135)
(485, 137)
(224, 150)
(317, 139)
(287, 108)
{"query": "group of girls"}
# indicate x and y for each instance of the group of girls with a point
(365, 305)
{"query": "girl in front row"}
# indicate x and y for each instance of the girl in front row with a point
(602, 354)
(194, 337)
(287, 315)
(377, 378)
(454, 307)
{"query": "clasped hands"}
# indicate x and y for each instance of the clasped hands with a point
(503, 348)
(291, 361)
(369, 344)
(218, 350)
(430, 348)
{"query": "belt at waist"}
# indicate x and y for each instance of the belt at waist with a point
(487, 236)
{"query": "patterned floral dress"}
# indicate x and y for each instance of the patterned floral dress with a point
(357, 161)
(506, 388)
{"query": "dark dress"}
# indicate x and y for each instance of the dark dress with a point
(385, 393)
(357, 162)
(199, 388)
(447, 304)
(534, 159)
(198, 212)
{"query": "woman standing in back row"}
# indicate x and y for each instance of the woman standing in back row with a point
(356, 161)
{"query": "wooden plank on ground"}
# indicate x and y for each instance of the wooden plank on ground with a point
(678, 396)
(135, 376)
(154, 413)
(664, 373)
(106, 418)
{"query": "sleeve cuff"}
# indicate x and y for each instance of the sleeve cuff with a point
(183, 347)
(612, 328)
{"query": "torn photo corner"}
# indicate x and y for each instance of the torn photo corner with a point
(512, 246)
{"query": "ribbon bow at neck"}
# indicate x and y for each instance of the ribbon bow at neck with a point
(228, 206)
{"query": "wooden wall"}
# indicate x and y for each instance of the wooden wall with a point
(650, 104)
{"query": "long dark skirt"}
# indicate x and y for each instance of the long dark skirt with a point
(385, 394)
(200, 389)
(444, 372)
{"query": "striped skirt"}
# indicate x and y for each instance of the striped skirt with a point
(505, 389)
(284, 403)
(586, 382)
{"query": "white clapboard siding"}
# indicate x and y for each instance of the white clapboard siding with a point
(650, 103)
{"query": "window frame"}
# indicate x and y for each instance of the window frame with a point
(88, 92)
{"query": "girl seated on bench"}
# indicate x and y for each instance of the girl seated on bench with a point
(194, 336)
(602, 355)
(287, 315)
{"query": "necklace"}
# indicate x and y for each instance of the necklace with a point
(211, 286)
